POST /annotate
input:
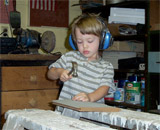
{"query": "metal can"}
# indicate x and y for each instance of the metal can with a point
(133, 92)
(119, 95)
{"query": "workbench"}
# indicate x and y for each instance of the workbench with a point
(36, 119)
(134, 120)
(24, 83)
(50, 120)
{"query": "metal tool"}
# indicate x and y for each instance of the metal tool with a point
(48, 41)
(74, 70)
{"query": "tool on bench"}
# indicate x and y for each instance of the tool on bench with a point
(26, 41)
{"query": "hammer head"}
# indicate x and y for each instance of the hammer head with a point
(74, 70)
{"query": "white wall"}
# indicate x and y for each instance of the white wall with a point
(61, 33)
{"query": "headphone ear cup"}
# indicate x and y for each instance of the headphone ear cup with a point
(71, 42)
(106, 40)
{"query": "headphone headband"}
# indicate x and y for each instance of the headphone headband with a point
(106, 37)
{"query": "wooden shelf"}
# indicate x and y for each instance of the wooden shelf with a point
(130, 37)
(24, 57)
(123, 104)
(105, 10)
(129, 71)
(155, 111)
(148, 36)
(27, 59)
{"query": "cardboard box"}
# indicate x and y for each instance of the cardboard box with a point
(114, 56)
(126, 20)
(127, 15)
(134, 12)
(114, 28)
(127, 46)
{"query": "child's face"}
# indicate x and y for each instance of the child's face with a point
(88, 44)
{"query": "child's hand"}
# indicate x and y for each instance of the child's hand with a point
(64, 76)
(81, 97)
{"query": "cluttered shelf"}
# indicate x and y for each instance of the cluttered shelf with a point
(130, 71)
(124, 105)
(96, 8)
(119, 17)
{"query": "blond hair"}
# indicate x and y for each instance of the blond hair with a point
(88, 24)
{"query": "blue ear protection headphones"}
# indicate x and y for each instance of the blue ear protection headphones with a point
(71, 43)
(106, 39)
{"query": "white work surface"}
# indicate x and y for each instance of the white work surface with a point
(50, 120)
(36, 119)
(134, 120)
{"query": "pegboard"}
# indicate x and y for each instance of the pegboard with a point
(56, 18)
(4, 15)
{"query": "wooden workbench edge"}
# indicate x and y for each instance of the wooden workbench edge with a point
(28, 57)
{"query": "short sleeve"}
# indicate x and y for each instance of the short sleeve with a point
(60, 63)
(108, 77)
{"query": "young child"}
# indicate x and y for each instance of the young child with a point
(95, 75)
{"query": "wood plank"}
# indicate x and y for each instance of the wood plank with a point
(154, 14)
(26, 78)
(85, 106)
(29, 57)
(41, 99)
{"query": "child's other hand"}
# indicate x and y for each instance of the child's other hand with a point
(81, 97)
(64, 76)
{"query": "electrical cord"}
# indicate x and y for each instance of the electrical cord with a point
(4, 33)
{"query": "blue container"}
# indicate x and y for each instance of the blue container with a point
(132, 78)
(122, 83)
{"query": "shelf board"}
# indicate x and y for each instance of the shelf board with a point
(106, 8)
(130, 4)
(24, 57)
(135, 106)
(129, 70)
(27, 59)
(139, 37)
(155, 111)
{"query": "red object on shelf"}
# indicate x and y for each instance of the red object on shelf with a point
(109, 98)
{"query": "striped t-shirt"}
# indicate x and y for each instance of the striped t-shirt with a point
(91, 74)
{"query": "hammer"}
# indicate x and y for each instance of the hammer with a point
(74, 69)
